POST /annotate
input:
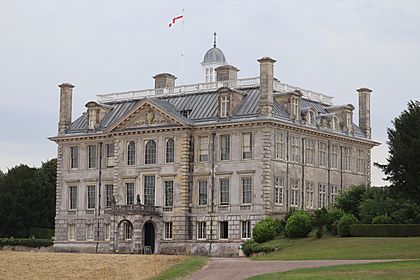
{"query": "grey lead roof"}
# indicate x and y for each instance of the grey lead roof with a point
(202, 107)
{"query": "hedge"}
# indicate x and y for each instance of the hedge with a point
(28, 242)
(385, 230)
(250, 247)
(41, 233)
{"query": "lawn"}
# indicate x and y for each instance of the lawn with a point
(336, 248)
(36, 265)
(405, 270)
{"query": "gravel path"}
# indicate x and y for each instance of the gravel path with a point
(242, 268)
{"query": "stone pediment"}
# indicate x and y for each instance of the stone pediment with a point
(146, 115)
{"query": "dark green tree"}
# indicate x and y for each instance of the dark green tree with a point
(350, 200)
(27, 199)
(403, 167)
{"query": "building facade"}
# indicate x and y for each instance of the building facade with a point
(191, 169)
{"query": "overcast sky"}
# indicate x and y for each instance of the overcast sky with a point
(333, 47)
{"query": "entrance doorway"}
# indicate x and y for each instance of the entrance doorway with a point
(149, 238)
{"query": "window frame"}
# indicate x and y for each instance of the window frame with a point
(322, 195)
(310, 152)
(149, 194)
(248, 193)
(90, 201)
(168, 185)
(224, 192)
(247, 233)
(168, 231)
(294, 192)
(309, 195)
(150, 153)
(71, 207)
(225, 151)
(131, 153)
(74, 157)
(295, 147)
(109, 195)
(224, 106)
(247, 150)
(279, 190)
(110, 152)
(279, 146)
(127, 231)
(203, 149)
(201, 230)
(170, 151)
(201, 194)
(92, 156)
(322, 154)
(224, 229)
(129, 200)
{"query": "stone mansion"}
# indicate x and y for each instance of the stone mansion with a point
(190, 169)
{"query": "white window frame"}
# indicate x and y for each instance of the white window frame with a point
(246, 194)
(279, 190)
(74, 157)
(334, 156)
(347, 159)
(222, 192)
(309, 195)
(170, 154)
(92, 156)
(360, 163)
(127, 231)
(247, 148)
(109, 194)
(203, 148)
(334, 193)
(202, 192)
(246, 231)
(168, 229)
(131, 153)
(294, 193)
(295, 149)
(129, 200)
(322, 195)
(71, 197)
(310, 152)
(110, 155)
(90, 201)
(201, 230)
(279, 147)
(152, 194)
(150, 152)
(224, 106)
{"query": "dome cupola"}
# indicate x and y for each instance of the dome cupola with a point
(213, 58)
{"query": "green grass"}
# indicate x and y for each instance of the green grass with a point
(405, 270)
(182, 269)
(351, 248)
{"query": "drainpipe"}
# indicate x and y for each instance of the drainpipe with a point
(329, 170)
(287, 171)
(341, 168)
(212, 178)
(302, 200)
(98, 213)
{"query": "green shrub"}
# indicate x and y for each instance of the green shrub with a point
(41, 233)
(320, 218)
(392, 230)
(334, 215)
(265, 230)
(279, 226)
(344, 224)
(250, 247)
(298, 225)
(350, 200)
(28, 242)
(381, 219)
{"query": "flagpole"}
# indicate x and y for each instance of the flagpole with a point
(182, 49)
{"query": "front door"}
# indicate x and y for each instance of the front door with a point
(149, 237)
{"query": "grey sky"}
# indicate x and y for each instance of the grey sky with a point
(332, 46)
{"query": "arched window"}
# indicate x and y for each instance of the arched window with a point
(335, 123)
(150, 155)
(131, 153)
(170, 150)
(127, 230)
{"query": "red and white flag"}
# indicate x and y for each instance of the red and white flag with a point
(173, 21)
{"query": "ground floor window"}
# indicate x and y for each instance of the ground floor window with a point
(89, 232)
(322, 196)
(246, 229)
(107, 232)
(127, 230)
(201, 230)
(71, 232)
(294, 196)
(168, 230)
(309, 195)
(224, 230)
(334, 193)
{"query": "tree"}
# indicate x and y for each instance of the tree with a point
(27, 199)
(350, 200)
(403, 167)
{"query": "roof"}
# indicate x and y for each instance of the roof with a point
(214, 55)
(202, 108)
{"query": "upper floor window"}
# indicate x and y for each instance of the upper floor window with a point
(335, 123)
(295, 149)
(246, 190)
(310, 152)
(109, 155)
(224, 106)
(309, 199)
(92, 156)
(131, 153)
(149, 190)
(170, 150)
(150, 153)
(169, 193)
(349, 122)
(74, 157)
(322, 154)
(246, 145)
(202, 192)
(109, 193)
(73, 197)
(347, 159)
(360, 164)
(311, 118)
(225, 147)
(224, 191)
(279, 146)
(203, 148)
(129, 193)
(295, 108)
(91, 197)
(334, 156)
(278, 190)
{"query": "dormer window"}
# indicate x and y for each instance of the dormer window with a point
(295, 107)
(224, 106)
(349, 122)
(186, 113)
(335, 123)
(311, 118)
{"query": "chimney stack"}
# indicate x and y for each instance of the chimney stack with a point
(364, 111)
(66, 92)
(164, 80)
(226, 73)
(266, 85)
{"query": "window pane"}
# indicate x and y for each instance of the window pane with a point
(224, 191)
(131, 153)
(246, 190)
(130, 193)
(109, 155)
(201, 230)
(170, 150)
(202, 192)
(74, 157)
(73, 197)
(149, 190)
(246, 145)
(150, 154)
(109, 194)
(91, 196)
(204, 148)
(169, 193)
(224, 147)
(224, 230)
(92, 156)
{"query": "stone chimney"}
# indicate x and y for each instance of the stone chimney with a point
(64, 122)
(226, 73)
(266, 85)
(364, 111)
(164, 80)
